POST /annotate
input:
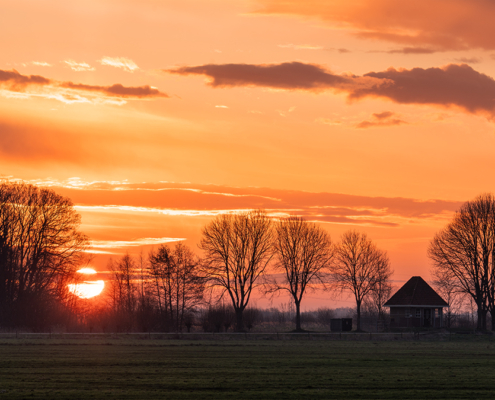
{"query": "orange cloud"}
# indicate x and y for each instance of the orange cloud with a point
(208, 200)
(452, 85)
(439, 24)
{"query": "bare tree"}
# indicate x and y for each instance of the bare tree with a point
(124, 289)
(446, 285)
(179, 284)
(464, 250)
(359, 267)
(304, 252)
(237, 248)
(40, 245)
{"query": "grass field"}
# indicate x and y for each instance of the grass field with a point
(123, 368)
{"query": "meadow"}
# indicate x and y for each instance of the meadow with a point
(122, 367)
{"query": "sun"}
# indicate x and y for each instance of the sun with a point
(88, 288)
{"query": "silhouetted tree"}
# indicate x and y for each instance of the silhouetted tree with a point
(303, 253)
(464, 252)
(237, 248)
(359, 267)
(179, 285)
(40, 246)
(125, 289)
(446, 286)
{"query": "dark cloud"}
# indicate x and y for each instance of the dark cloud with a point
(13, 80)
(453, 85)
(289, 75)
(117, 90)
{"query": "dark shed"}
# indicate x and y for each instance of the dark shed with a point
(416, 305)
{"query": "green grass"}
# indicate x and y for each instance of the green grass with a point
(123, 368)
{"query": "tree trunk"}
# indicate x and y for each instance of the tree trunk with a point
(298, 316)
(239, 326)
(358, 322)
(481, 323)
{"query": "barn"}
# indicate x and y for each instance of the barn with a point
(416, 305)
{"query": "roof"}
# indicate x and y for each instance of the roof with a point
(416, 292)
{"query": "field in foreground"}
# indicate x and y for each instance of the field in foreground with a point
(294, 369)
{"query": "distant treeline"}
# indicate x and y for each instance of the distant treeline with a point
(242, 253)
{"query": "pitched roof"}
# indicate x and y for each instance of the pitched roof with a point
(416, 292)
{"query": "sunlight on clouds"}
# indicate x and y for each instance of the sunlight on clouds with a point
(114, 244)
(120, 62)
(75, 66)
(41, 64)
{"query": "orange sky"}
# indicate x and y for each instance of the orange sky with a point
(154, 116)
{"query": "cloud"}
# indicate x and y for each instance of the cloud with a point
(300, 46)
(41, 64)
(117, 90)
(468, 60)
(75, 66)
(289, 75)
(452, 85)
(13, 80)
(119, 62)
(185, 199)
(381, 119)
(439, 24)
(25, 86)
(413, 50)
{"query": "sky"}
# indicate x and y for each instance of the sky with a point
(156, 116)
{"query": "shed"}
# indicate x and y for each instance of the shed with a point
(416, 305)
(341, 324)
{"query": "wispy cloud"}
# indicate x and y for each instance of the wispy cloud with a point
(384, 118)
(120, 62)
(189, 200)
(115, 244)
(12, 83)
(76, 66)
(301, 46)
(41, 64)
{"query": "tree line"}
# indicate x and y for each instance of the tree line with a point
(41, 248)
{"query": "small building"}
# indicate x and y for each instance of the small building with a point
(416, 305)
(341, 324)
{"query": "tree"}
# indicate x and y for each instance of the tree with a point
(40, 246)
(237, 248)
(359, 267)
(446, 285)
(179, 285)
(125, 290)
(464, 251)
(304, 252)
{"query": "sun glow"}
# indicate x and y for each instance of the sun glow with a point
(87, 289)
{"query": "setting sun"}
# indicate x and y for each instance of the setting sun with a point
(87, 289)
